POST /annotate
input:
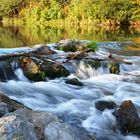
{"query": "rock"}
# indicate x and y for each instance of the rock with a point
(6, 71)
(72, 45)
(16, 127)
(127, 117)
(28, 65)
(74, 81)
(39, 120)
(25, 124)
(42, 50)
(14, 105)
(114, 68)
(102, 105)
(60, 131)
(53, 70)
(4, 108)
(31, 69)
(36, 71)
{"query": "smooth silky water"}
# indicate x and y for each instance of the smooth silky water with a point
(75, 105)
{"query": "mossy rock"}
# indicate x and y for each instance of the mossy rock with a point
(114, 68)
(136, 129)
(39, 71)
(31, 69)
(72, 45)
(36, 77)
(53, 70)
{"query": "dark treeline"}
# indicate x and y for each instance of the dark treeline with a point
(100, 11)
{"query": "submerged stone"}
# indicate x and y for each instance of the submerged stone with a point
(102, 105)
(74, 81)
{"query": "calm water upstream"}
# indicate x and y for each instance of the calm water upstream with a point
(73, 104)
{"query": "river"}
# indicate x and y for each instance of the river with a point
(75, 105)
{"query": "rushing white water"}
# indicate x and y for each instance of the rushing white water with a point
(69, 100)
(76, 105)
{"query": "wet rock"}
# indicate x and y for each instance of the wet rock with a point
(53, 70)
(48, 127)
(4, 108)
(127, 118)
(74, 81)
(59, 131)
(36, 71)
(94, 64)
(39, 120)
(71, 45)
(31, 69)
(42, 50)
(6, 71)
(28, 65)
(10, 103)
(102, 105)
(16, 127)
(114, 68)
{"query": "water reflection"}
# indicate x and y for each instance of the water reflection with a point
(26, 35)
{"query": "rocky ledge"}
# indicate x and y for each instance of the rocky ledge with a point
(42, 62)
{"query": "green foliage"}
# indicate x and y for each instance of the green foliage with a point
(92, 45)
(111, 11)
(42, 75)
(10, 7)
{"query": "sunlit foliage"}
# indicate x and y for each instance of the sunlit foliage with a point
(113, 11)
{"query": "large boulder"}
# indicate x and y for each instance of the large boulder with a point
(37, 70)
(25, 124)
(60, 131)
(102, 105)
(127, 118)
(39, 120)
(16, 127)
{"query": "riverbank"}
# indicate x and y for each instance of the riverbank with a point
(67, 22)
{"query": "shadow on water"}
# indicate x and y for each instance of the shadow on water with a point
(11, 37)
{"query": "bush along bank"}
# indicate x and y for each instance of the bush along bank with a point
(71, 12)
